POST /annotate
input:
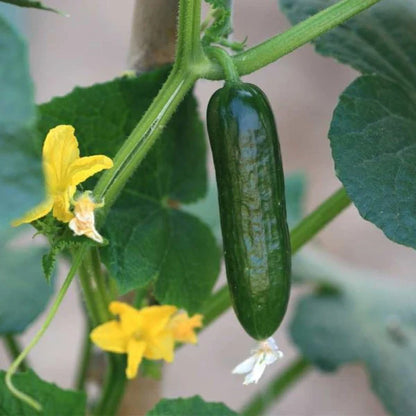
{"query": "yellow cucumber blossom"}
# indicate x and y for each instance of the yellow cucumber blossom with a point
(183, 327)
(145, 333)
(63, 169)
(83, 222)
(265, 354)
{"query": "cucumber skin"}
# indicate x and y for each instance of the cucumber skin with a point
(251, 196)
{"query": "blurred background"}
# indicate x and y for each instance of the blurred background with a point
(92, 46)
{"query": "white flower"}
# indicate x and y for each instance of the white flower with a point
(83, 222)
(266, 353)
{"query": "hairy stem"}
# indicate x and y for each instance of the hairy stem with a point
(14, 349)
(147, 131)
(274, 48)
(226, 62)
(300, 235)
(275, 389)
(143, 136)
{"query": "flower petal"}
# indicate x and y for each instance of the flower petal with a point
(118, 308)
(255, 375)
(135, 351)
(156, 318)
(160, 347)
(35, 213)
(61, 205)
(84, 167)
(60, 150)
(245, 366)
(110, 337)
(84, 221)
(271, 357)
(130, 318)
(265, 354)
(183, 327)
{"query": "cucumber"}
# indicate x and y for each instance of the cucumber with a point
(251, 196)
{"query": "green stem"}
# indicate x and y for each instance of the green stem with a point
(300, 235)
(84, 362)
(180, 81)
(275, 389)
(97, 306)
(17, 393)
(93, 304)
(143, 136)
(99, 277)
(274, 48)
(14, 349)
(114, 386)
(188, 44)
(226, 62)
(318, 219)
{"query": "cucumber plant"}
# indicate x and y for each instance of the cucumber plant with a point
(153, 247)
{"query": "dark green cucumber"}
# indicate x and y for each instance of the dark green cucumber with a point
(251, 196)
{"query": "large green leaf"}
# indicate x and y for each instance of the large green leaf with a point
(373, 140)
(152, 243)
(380, 40)
(373, 134)
(194, 406)
(24, 291)
(105, 114)
(54, 400)
(20, 174)
(360, 319)
(150, 239)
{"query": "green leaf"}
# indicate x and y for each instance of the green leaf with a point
(151, 243)
(366, 319)
(373, 140)
(373, 134)
(194, 406)
(20, 173)
(105, 114)
(207, 210)
(31, 4)
(380, 40)
(60, 244)
(151, 240)
(54, 400)
(24, 292)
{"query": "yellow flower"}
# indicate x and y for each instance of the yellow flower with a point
(137, 333)
(149, 333)
(63, 169)
(83, 222)
(183, 327)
